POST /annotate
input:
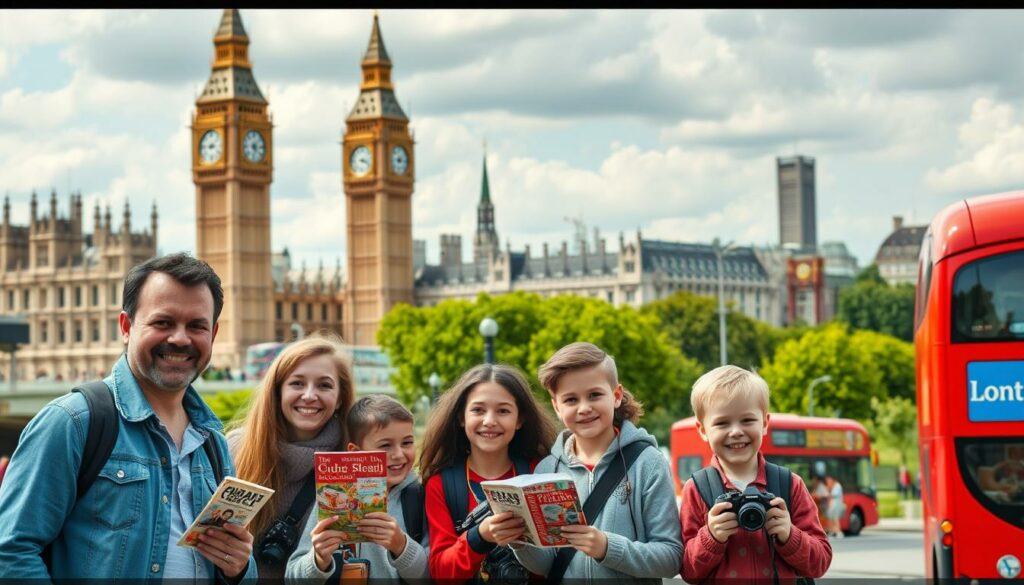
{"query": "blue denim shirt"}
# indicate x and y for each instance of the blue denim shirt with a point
(120, 527)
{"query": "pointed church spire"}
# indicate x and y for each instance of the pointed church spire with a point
(485, 187)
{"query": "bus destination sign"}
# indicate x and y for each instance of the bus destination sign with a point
(995, 391)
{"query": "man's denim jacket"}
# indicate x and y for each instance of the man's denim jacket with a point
(119, 529)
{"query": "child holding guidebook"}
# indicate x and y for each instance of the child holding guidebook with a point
(636, 533)
(488, 426)
(374, 423)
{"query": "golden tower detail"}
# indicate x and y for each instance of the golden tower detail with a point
(232, 169)
(378, 175)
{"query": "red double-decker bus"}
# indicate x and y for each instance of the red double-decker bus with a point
(808, 446)
(969, 338)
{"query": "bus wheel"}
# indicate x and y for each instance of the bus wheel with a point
(856, 523)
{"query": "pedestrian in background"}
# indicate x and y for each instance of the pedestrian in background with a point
(836, 506)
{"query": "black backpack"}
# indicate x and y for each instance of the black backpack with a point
(102, 435)
(413, 510)
(780, 482)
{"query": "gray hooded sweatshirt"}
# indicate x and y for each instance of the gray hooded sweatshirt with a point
(644, 542)
(411, 565)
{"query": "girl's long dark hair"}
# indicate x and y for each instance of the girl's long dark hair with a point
(446, 442)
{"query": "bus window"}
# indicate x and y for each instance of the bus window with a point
(854, 473)
(687, 466)
(994, 473)
(988, 300)
(924, 278)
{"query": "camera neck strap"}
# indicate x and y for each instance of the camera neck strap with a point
(303, 500)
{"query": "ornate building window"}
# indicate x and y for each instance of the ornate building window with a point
(78, 296)
(95, 297)
(25, 294)
(113, 330)
(94, 326)
(10, 300)
(78, 331)
(61, 333)
(113, 294)
(43, 332)
(323, 312)
(42, 298)
(60, 297)
(295, 311)
(278, 312)
(309, 311)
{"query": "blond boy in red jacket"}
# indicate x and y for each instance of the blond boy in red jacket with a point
(731, 405)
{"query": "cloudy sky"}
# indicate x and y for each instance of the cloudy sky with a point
(667, 121)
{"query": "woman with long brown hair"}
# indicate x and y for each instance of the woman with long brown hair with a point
(488, 426)
(297, 410)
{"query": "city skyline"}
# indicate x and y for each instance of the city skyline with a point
(667, 121)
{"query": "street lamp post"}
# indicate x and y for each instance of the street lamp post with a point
(489, 329)
(810, 392)
(435, 384)
(720, 252)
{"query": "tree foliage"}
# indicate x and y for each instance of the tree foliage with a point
(830, 350)
(894, 360)
(444, 338)
(895, 426)
(873, 304)
(691, 322)
(229, 404)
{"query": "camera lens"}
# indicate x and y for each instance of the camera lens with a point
(751, 516)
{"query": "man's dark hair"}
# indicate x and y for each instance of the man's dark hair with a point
(183, 268)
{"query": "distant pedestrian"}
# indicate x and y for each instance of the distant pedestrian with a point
(836, 507)
(905, 490)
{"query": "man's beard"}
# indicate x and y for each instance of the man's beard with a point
(156, 376)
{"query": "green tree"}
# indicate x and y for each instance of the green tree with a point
(691, 322)
(894, 360)
(444, 338)
(872, 304)
(229, 405)
(895, 426)
(826, 351)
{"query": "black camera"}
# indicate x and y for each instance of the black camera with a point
(278, 543)
(751, 506)
(500, 565)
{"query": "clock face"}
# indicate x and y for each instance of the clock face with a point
(399, 160)
(803, 271)
(210, 147)
(360, 160)
(253, 146)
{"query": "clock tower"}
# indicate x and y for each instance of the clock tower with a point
(377, 174)
(232, 170)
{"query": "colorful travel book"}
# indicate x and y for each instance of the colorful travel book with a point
(546, 501)
(235, 502)
(350, 486)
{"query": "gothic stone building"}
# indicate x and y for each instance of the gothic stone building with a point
(67, 284)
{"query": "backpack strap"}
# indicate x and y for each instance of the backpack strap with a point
(709, 484)
(213, 454)
(456, 492)
(592, 508)
(413, 509)
(102, 433)
(779, 480)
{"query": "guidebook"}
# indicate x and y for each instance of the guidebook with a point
(234, 502)
(545, 501)
(350, 486)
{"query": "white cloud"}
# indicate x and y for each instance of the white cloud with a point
(991, 152)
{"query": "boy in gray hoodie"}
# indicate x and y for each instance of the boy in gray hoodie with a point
(637, 533)
(375, 423)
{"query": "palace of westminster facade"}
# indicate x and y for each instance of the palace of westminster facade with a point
(67, 284)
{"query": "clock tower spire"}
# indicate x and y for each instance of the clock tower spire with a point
(232, 170)
(378, 176)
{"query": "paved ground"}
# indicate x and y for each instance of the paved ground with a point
(886, 552)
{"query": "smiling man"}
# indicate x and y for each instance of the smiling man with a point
(159, 474)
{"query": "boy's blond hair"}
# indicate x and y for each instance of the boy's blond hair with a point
(725, 384)
(580, 355)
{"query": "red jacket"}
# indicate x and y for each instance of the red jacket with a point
(745, 555)
(454, 556)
